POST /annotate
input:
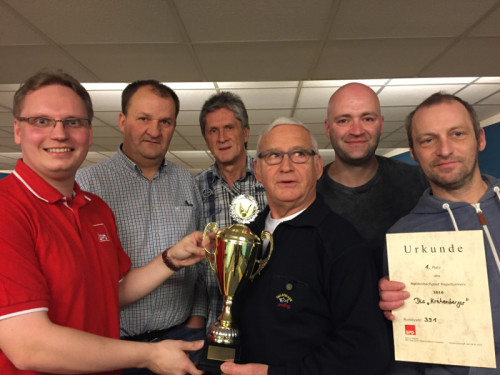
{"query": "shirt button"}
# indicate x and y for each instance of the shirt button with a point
(289, 286)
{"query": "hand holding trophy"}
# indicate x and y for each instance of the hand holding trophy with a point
(235, 259)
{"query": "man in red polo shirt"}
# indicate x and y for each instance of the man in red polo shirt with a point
(63, 272)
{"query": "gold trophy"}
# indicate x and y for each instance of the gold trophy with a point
(236, 258)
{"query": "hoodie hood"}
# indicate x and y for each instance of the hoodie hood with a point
(429, 203)
(436, 214)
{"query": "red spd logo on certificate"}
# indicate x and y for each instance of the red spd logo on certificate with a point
(410, 329)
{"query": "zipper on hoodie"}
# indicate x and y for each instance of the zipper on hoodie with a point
(482, 220)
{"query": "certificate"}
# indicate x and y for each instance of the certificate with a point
(447, 318)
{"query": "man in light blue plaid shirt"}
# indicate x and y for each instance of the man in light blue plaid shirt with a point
(224, 125)
(156, 203)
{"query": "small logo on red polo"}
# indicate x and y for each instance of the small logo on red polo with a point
(102, 232)
(284, 300)
(410, 329)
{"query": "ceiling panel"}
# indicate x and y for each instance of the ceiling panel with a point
(192, 100)
(489, 25)
(412, 95)
(366, 58)
(15, 31)
(414, 19)
(265, 116)
(110, 21)
(105, 132)
(478, 92)
(20, 61)
(252, 61)
(256, 20)
(475, 52)
(491, 112)
(392, 126)
(169, 62)
(492, 99)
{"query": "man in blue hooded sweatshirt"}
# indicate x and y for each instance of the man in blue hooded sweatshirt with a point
(445, 137)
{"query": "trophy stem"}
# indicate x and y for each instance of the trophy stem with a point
(223, 331)
(225, 317)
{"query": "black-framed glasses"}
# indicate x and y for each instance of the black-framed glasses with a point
(45, 122)
(298, 155)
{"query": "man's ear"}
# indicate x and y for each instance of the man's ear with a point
(327, 129)
(256, 171)
(319, 166)
(121, 121)
(412, 154)
(481, 140)
(17, 132)
(246, 134)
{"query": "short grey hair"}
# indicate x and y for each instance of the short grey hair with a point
(287, 121)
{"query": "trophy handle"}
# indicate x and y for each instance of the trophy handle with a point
(211, 227)
(265, 235)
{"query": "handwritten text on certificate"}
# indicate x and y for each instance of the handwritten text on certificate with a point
(447, 318)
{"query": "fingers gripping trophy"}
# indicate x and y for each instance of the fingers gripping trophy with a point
(236, 258)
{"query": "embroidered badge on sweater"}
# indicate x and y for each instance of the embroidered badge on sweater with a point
(284, 301)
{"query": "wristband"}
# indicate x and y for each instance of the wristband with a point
(168, 262)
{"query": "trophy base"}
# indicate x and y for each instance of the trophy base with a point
(215, 354)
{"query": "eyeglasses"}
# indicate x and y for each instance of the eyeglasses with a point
(297, 156)
(44, 122)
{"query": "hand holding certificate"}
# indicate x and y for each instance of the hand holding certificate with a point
(447, 318)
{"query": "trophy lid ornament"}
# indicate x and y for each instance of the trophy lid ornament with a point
(244, 209)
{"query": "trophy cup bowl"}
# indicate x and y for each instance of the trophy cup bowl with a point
(236, 258)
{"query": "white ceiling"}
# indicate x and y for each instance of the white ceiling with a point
(284, 57)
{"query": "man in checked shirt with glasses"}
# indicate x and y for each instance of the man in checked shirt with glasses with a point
(156, 203)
